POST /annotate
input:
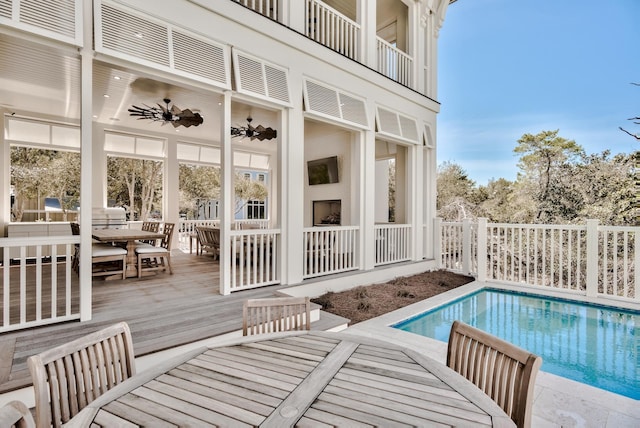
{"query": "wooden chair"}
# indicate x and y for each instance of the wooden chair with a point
(503, 371)
(69, 377)
(148, 256)
(148, 226)
(276, 314)
(16, 414)
(209, 239)
(103, 257)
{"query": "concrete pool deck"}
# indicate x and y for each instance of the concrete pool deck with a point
(558, 402)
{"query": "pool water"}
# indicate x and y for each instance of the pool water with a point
(592, 344)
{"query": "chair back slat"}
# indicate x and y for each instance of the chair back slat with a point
(69, 377)
(503, 371)
(150, 226)
(167, 229)
(260, 316)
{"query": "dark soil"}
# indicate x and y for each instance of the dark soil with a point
(369, 301)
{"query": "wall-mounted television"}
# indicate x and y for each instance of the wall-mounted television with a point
(323, 171)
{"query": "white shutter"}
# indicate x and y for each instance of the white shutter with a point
(57, 19)
(124, 33)
(256, 77)
(400, 127)
(327, 102)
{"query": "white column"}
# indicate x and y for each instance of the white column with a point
(366, 17)
(86, 158)
(5, 178)
(367, 168)
(170, 198)
(415, 210)
(429, 181)
(291, 163)
(227, 195)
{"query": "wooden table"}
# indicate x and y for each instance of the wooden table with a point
(130, 236)
(299, 378)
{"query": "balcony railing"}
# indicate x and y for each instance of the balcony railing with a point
(330, 250)
(329, 27)
(268, 8)
(589, 259)
(393, 243)
(394, 63)
(40, 289)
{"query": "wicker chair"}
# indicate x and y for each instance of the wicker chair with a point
(16, 414)
(503, 371)
(69, 377)
(276, 314)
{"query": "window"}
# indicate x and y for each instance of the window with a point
(256, 210)
(136, 185)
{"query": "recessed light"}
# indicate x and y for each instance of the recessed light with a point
(95, 116)
(106, 95)
(115, 119)
(117, 77)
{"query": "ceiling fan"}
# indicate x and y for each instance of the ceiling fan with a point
(254, 133)
(166, 114)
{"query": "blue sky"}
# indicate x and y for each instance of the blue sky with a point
(510, 67)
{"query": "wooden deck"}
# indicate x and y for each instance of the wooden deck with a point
(162, 311)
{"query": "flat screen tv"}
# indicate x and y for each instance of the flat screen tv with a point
(323, 171)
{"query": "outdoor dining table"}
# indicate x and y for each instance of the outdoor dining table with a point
(130, 236)
(296, 379)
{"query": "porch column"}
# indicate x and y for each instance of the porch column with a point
(226, 193)
(170, 197)
(291, 178)
(86, 157)
(429, 178)
(5, 178)
(366, 17)
(367, 162)
(414, 202)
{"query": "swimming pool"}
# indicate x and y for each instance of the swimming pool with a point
(592, 344)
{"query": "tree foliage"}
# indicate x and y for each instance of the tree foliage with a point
(557, 183)
(136, 185)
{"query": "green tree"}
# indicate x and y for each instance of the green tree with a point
(197, 184)
(454, 193)
(135, 184)
(63, 180)
(543, 162)
(29, 172)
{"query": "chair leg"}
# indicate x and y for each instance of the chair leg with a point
(169, 263)
(139, 266)
(124, 267)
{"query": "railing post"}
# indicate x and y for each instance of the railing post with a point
(437, 242)
(466, 246)
(592, 258)
(482, 250)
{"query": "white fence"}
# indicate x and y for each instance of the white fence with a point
(589, 259)
(329, 27)
(393, 243)
(329, 250)
(187, 229)
(394, 63)
(38, 290)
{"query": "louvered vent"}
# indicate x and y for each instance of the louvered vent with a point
(392, 123)
(132, 35)
(57, 16)
(327, 101)
(388, 122)
(257, 77)
(353, 110)
(428, 137)
(5, 9)
(199, 57)
(250, 76)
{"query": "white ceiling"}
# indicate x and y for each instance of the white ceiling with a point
(44, 82)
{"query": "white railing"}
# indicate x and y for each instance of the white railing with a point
(393, 243)
(38, 290)
(268, 8)
(329, 27)
(329, 250)
(588, 259)
(253, 260)
(187, 229)
(394, 63)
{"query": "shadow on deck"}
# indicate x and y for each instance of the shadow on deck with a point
(163, 311)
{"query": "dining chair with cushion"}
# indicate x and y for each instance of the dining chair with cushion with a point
(70, 376)
(148, 226)
(503, 371)
(16, 414)
(106, 259)
(275, 314)
(154, 258)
